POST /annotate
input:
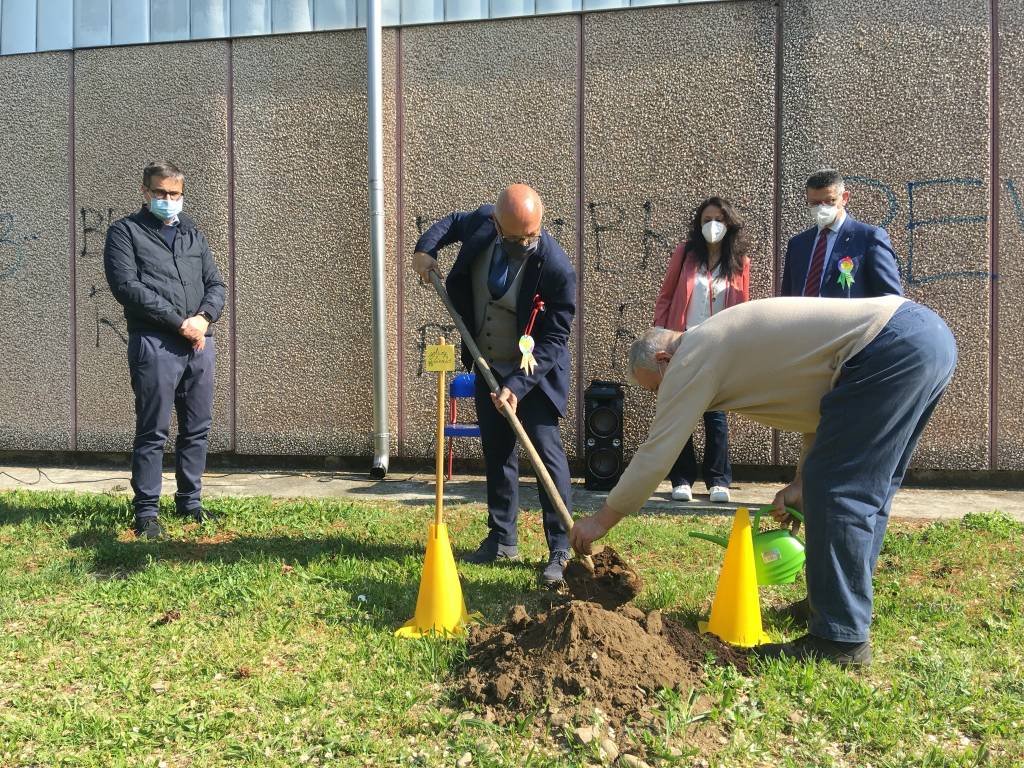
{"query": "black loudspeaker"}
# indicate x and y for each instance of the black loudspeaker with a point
(602, 430)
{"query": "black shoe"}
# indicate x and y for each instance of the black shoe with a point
(553, 573)
(799, 611)
(491, 551)
(148, 528)
(811, 648)
(202, 515)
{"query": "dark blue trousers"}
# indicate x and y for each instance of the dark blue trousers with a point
(870, 425)
(167, 373)
(716, 465)
(539, 418)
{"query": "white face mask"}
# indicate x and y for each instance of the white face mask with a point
(713, 231)
(824, 215)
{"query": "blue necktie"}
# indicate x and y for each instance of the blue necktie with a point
(497, 277)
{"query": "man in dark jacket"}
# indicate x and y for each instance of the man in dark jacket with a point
(838, 256)
(160, 269)
(506, 268)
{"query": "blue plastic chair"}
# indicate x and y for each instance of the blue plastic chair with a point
(461, 386)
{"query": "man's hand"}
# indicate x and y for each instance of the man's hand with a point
(587, 530)
(423, 264)
(790, 496)
(505, 398)
(584, 533)
(194, 329)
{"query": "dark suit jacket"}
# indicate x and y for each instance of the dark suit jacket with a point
(160, 286)
(547, 272)
(875, 272)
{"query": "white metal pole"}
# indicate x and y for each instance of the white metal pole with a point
(376, 172)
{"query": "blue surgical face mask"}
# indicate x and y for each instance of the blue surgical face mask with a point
(165, 210)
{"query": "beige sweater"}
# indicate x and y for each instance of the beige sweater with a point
(771, 360)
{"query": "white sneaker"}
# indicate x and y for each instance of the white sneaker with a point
(682, 492)
(719, 494)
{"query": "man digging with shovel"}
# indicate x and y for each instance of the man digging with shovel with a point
(858, 377)
(514, 288)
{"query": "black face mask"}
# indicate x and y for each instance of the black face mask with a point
(517, 250)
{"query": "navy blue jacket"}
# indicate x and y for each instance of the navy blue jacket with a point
(875, 272)
(157, 286)
(547, 272)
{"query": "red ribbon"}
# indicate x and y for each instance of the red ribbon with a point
(538, 306)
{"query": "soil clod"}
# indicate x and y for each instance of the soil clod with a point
(613, 582)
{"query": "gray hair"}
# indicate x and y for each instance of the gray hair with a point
(642, 352)
(825, 178)
(162, 169)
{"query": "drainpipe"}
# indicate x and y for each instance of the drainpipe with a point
(376, 170)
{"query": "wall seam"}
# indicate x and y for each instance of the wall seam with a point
(776, 456)
(993, 410)
(400, 236)
(73, 248)
(232, 263)
(580, 278)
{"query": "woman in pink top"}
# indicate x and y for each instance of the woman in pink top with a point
(707, 273)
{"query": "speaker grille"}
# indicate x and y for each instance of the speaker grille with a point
(604, 422)
(604, 463)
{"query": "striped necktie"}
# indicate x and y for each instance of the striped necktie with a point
(812, 287)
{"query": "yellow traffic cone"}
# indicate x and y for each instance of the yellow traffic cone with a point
(736, 610)
(440, 608)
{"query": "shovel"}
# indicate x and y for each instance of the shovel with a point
(778, 554)
(508, 413)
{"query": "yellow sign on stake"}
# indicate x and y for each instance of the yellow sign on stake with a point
(440, 607)
(440, 357)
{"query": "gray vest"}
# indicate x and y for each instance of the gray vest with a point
(497, 332)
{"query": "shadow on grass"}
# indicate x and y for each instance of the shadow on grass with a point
(110, 550)
(382, 572)
(95, 510)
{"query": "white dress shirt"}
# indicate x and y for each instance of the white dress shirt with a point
(708, 297)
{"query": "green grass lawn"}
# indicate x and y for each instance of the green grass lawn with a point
(266, 639)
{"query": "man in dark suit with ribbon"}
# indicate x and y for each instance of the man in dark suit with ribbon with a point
(838, 256)
(515, 289)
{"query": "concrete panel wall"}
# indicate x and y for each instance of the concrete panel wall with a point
(897, 93)
(35, 282)
(678, 103)
(121, 123)
(678, 106)
(305, 379)
(1011, 241)
(480, 114)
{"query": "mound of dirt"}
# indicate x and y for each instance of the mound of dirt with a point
(579, 654)
(613, 582)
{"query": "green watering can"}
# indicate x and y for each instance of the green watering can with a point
(778, 554)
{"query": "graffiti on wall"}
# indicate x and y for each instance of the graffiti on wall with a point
(106, 316)
(94, 228)
(13, 244)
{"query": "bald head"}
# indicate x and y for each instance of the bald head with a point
(519, 211)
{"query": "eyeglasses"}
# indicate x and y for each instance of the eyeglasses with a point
(524, 240)
(164, 194)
